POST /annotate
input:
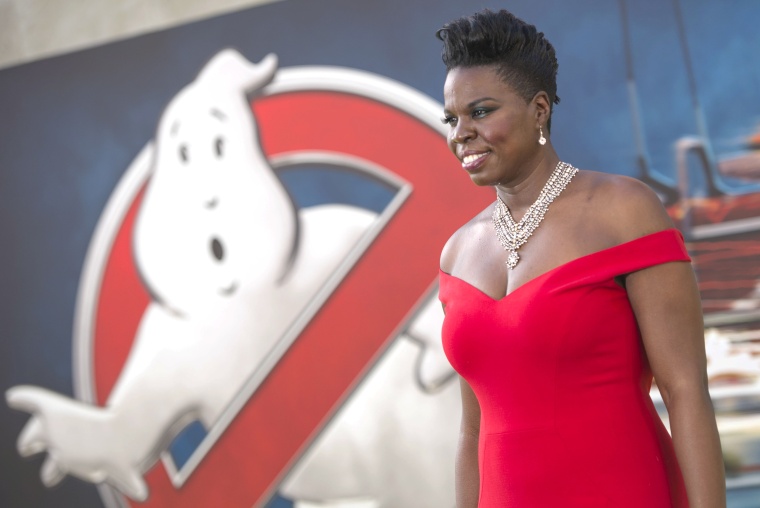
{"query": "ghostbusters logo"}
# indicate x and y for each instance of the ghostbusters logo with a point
(224, 315)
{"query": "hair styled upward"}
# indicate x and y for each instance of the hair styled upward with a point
(522, 56)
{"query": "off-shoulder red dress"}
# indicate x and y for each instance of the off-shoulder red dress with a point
(563, 382)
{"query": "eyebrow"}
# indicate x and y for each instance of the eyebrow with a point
(218, 114)
(474, 103)
(478, 101)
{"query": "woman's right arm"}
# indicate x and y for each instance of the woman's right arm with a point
(467, 475)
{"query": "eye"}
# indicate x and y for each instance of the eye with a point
(479, 112)
(448, 120)
(219, 146)
(183, 153)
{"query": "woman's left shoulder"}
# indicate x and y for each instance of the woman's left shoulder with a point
(629, 206)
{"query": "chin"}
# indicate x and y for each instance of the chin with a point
(482, 180)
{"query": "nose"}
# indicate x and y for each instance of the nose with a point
(461, 133)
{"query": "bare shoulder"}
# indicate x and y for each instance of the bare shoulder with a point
(628, 207)
(470, 233)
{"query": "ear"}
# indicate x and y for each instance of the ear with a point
(543, 107)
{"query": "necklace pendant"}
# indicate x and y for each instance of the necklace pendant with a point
(512, 260)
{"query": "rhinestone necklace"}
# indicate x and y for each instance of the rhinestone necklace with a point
(513, 235)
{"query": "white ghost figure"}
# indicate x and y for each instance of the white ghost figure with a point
(229, 264)
(393, 443)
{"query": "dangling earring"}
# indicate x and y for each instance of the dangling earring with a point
(541, 139)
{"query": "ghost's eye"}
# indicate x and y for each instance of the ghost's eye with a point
(219, 146)
(183, 153)
(217, 249)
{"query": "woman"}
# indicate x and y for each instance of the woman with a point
(561, 299)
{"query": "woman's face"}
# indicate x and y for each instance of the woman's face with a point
(493, 131)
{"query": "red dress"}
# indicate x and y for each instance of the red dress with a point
(560, 373)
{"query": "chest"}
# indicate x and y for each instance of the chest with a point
(483, 260)
(547, 324)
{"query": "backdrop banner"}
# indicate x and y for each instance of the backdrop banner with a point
(222, 239)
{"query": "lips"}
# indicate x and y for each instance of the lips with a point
(472, 161)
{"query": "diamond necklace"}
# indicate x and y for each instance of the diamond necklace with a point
(513, 235)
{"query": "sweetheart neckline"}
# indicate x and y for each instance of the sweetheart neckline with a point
(558, 267)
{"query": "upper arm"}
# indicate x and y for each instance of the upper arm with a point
(448, 256)
(664, 298)
(666, 302)
(470, 409)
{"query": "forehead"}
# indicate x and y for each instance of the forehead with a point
(465, 84)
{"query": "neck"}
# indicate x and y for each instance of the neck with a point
(523, 191)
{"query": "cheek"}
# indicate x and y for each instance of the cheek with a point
(501, 132)
(450, 142)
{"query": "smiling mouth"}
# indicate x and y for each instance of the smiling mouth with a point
(229, 289)
(472, 161)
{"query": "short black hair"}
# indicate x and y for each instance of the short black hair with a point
(522, 56)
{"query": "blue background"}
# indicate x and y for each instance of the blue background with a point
(70, 126)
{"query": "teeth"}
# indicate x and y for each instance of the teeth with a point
(469, 159)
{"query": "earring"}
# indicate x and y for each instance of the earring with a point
(541, 138)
